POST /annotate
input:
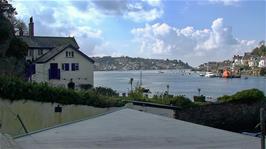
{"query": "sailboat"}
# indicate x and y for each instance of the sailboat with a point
(209, 74)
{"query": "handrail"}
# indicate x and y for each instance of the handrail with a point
(22, 124)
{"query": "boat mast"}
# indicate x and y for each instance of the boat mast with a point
(140, 77)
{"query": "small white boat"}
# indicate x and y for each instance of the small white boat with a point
(210, 75)
(201, 75)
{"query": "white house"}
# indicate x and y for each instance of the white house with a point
(57, 60)
(262, 63)
(252, 62)
(237, 60)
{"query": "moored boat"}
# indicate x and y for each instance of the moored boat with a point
(228, 74)
(210, 75)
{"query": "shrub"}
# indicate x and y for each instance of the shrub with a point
(17, 89)
(137, 94)
(199, 98)
(181, 101)
(246, 96)
(105, 91)
(86, 86)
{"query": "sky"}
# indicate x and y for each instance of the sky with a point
(192, 31)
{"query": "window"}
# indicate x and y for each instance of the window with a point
(70, 54)
(40, 51)
(65, 66)
(30, 53)
(75, 66)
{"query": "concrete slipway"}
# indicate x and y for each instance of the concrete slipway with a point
(131, 129)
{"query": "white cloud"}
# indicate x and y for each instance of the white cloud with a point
(54, 18)
(144, 15)
(195, 46)
(153, 2)
(225, 2)
(219, 36)
(137, 11)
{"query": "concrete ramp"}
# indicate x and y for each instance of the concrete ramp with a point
(6, 142)
(131, 129)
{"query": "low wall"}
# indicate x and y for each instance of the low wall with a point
(153, 110)
(37, 115)
(228, 116)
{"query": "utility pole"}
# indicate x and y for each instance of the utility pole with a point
(140, 81)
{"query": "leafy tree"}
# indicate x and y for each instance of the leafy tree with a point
(6, 9)
(259, 51)
(19, 25)
(11, 46)
(17, 48)
(6, 29)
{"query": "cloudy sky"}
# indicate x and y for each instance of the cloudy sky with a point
(193, 31)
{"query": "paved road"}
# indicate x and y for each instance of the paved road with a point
(133, 129)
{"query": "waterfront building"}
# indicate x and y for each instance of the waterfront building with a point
(57, 60)
(245, 59)
(262, 63)
(237, 60)
(253, 62)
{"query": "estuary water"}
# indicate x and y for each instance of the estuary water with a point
(181, 82)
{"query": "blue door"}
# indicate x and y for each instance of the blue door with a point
(54, 72)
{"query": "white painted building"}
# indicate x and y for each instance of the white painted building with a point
(262, 63)
(237, 60)
(252, 62)
(57, 60)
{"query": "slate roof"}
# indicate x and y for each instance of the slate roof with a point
(57, 50)
(131, 129)
(48, 42)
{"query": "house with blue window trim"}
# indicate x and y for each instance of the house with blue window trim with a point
(56, 60)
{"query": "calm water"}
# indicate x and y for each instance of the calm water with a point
(181, 82)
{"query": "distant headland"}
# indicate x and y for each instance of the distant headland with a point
(108, 63)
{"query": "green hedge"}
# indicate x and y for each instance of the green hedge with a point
(105, 91)
(246, 96)
(17, 89)
(199, 98)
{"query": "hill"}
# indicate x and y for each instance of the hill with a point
(259, 51)
(109, 63)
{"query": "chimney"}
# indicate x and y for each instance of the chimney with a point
(21, 32)
(31, 27)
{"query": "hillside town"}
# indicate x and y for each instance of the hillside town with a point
(108, 63)
(251, 63)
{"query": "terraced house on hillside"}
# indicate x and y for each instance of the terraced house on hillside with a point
(56, 60)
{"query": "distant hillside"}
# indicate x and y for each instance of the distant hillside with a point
(109, 63)
(259, 51)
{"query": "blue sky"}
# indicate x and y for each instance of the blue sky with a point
(193, 31)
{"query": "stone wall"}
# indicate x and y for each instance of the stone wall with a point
(236, 117)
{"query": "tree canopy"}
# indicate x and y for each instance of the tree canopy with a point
(9, 24)
(6, 9)
(259, 51)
